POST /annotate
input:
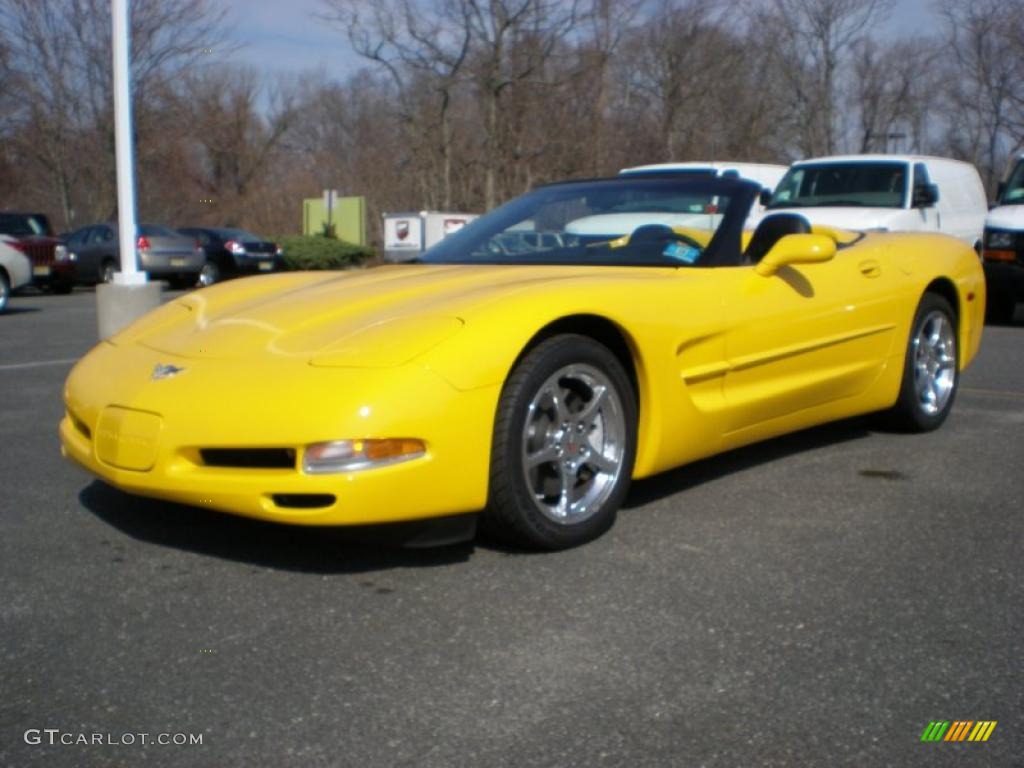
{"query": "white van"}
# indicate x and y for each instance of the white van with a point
(888, 192)
(1003, 251)
(765, 174)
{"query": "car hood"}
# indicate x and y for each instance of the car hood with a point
(357, 315)
(1006, 217)
(852, 218)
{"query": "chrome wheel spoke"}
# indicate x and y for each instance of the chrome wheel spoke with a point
(602, 464)
(590, 410)
(546, 455)
(573, 443)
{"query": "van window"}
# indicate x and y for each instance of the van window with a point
(876, 185)
(1014, 192)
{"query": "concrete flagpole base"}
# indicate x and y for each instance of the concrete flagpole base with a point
(118, 305)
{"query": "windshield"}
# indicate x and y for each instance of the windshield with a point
(875, 185)
(23, 224)
(657, 220)
(239, 234)
(1014, 192)
(156, 230)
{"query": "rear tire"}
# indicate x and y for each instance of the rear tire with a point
(931, 367)
(5, 290)
(107, 271)
(563, 447)
(209, 274)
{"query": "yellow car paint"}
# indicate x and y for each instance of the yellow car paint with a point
(722, 357)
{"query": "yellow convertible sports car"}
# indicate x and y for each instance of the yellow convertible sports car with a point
(530, 365)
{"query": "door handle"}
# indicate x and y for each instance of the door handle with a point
(870, 268)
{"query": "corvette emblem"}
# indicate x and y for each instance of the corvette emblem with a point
(161, 371)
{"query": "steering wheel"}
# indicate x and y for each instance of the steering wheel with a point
(659, 233)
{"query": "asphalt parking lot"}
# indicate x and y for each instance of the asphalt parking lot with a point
(816, 600)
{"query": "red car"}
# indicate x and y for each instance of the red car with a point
(51, 268)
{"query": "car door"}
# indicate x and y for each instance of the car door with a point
(101, 247)
(807, 335)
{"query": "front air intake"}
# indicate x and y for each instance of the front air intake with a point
(249, 458)
(303, 500)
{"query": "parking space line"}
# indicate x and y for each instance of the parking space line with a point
(38, 364)
(997, 392)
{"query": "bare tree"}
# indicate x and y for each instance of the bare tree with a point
(893, 87)
(987, 84)
(59, 52)
(811, 39)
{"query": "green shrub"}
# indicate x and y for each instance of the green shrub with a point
(317, 252)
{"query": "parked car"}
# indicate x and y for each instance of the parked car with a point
(908, 193)
(50, 268)
(1003, 250)
(233, 252)
(529, 384)
(161, 252)
(15, 268)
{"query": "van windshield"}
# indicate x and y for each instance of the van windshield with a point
(1013, 194)
(874, 185)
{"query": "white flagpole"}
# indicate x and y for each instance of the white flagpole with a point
(129, 274)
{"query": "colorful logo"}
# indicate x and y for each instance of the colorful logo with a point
(958, 730)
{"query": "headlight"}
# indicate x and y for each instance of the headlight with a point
(349, 455)
(61, 253)
(999, 239)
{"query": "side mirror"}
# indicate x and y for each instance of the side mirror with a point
(925, 195)
(796, 249)
(765, 196)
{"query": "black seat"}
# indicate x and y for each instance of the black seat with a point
(770, 231)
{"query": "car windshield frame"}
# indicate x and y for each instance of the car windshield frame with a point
(469, 245)
(1013, 191)
(842, 198)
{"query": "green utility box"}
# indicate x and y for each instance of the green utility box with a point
(348, 217)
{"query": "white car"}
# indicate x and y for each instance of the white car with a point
(907, 193)
(765, 174)
(15, 269)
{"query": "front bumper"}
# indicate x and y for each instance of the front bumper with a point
(296, 406)
(54, 273)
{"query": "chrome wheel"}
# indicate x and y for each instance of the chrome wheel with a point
(573, 443)
(107, 273)
(934, 356)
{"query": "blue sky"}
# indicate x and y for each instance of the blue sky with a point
(287, 36)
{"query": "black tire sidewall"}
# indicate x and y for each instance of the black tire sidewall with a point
(511, 500)
(908, 406)
(5, 292)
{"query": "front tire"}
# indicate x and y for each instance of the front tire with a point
(931, 367)
(563, 447)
